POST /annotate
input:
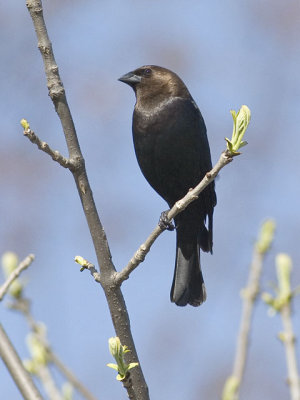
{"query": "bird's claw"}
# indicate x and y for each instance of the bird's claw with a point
(164, 222)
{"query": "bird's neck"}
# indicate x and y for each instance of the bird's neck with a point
(152, 105)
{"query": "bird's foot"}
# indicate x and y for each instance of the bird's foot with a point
(164, 222)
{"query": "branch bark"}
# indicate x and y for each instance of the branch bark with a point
(249, 295)
(54, 154)
(15, 367)
(48, 383)
(288, 339)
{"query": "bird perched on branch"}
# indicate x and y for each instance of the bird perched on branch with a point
(172, 150)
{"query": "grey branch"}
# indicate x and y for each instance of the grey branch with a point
(179, 206)
(249, 295)
(54, 154)
(48, 383)
(21, 267)
(85, 264)
(290, 351)
(15, 367)
(113, 293)
(127, 384)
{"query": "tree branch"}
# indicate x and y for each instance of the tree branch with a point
(282, 303)
(54, 154)
(288, 339)
(15, 367)
(249, 296)
(113, 293)
(21, 267)
(49, 385)
(71, 377)
(85, 264)
(178, 207)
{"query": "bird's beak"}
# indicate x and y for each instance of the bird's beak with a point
(131, 79)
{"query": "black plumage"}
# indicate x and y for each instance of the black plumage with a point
(173, 153)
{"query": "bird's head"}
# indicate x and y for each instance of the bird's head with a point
(153, 84)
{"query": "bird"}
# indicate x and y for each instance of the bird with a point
(173, 153)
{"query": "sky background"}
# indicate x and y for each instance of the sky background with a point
(228, 53)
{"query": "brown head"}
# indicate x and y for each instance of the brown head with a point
(153, 85)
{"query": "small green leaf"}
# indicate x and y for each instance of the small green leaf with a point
(282, 336)
(117, 351)
(37, 349)
(67, 391)
(230, 388)
(80, 260)
(284, 268)
(132, 365)
(30, 366)
(266, 236)
(25, 124)
(240, 124)
(16, 288)
(10, 262)
(229, 145)
(113, 366)
(284, 293)
(267, 298)
(114, 345)
(242, 144)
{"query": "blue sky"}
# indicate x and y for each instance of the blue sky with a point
(228, 53)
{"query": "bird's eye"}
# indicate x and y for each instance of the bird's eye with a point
(147, 72)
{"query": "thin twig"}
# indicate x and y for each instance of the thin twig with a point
(249, 296)
(21, 267)
(48, 383)
(15, 366)
(85, 264)
(179, 206)
(282, 303)
(70, 376)
(288, 339)
(54, 154)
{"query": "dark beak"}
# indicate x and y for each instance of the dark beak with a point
(131, 79)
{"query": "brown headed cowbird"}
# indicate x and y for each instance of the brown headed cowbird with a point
(173, 153)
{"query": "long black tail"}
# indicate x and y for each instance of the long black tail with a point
(188, 284)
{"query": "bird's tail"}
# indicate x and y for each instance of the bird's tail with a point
(188, 284)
